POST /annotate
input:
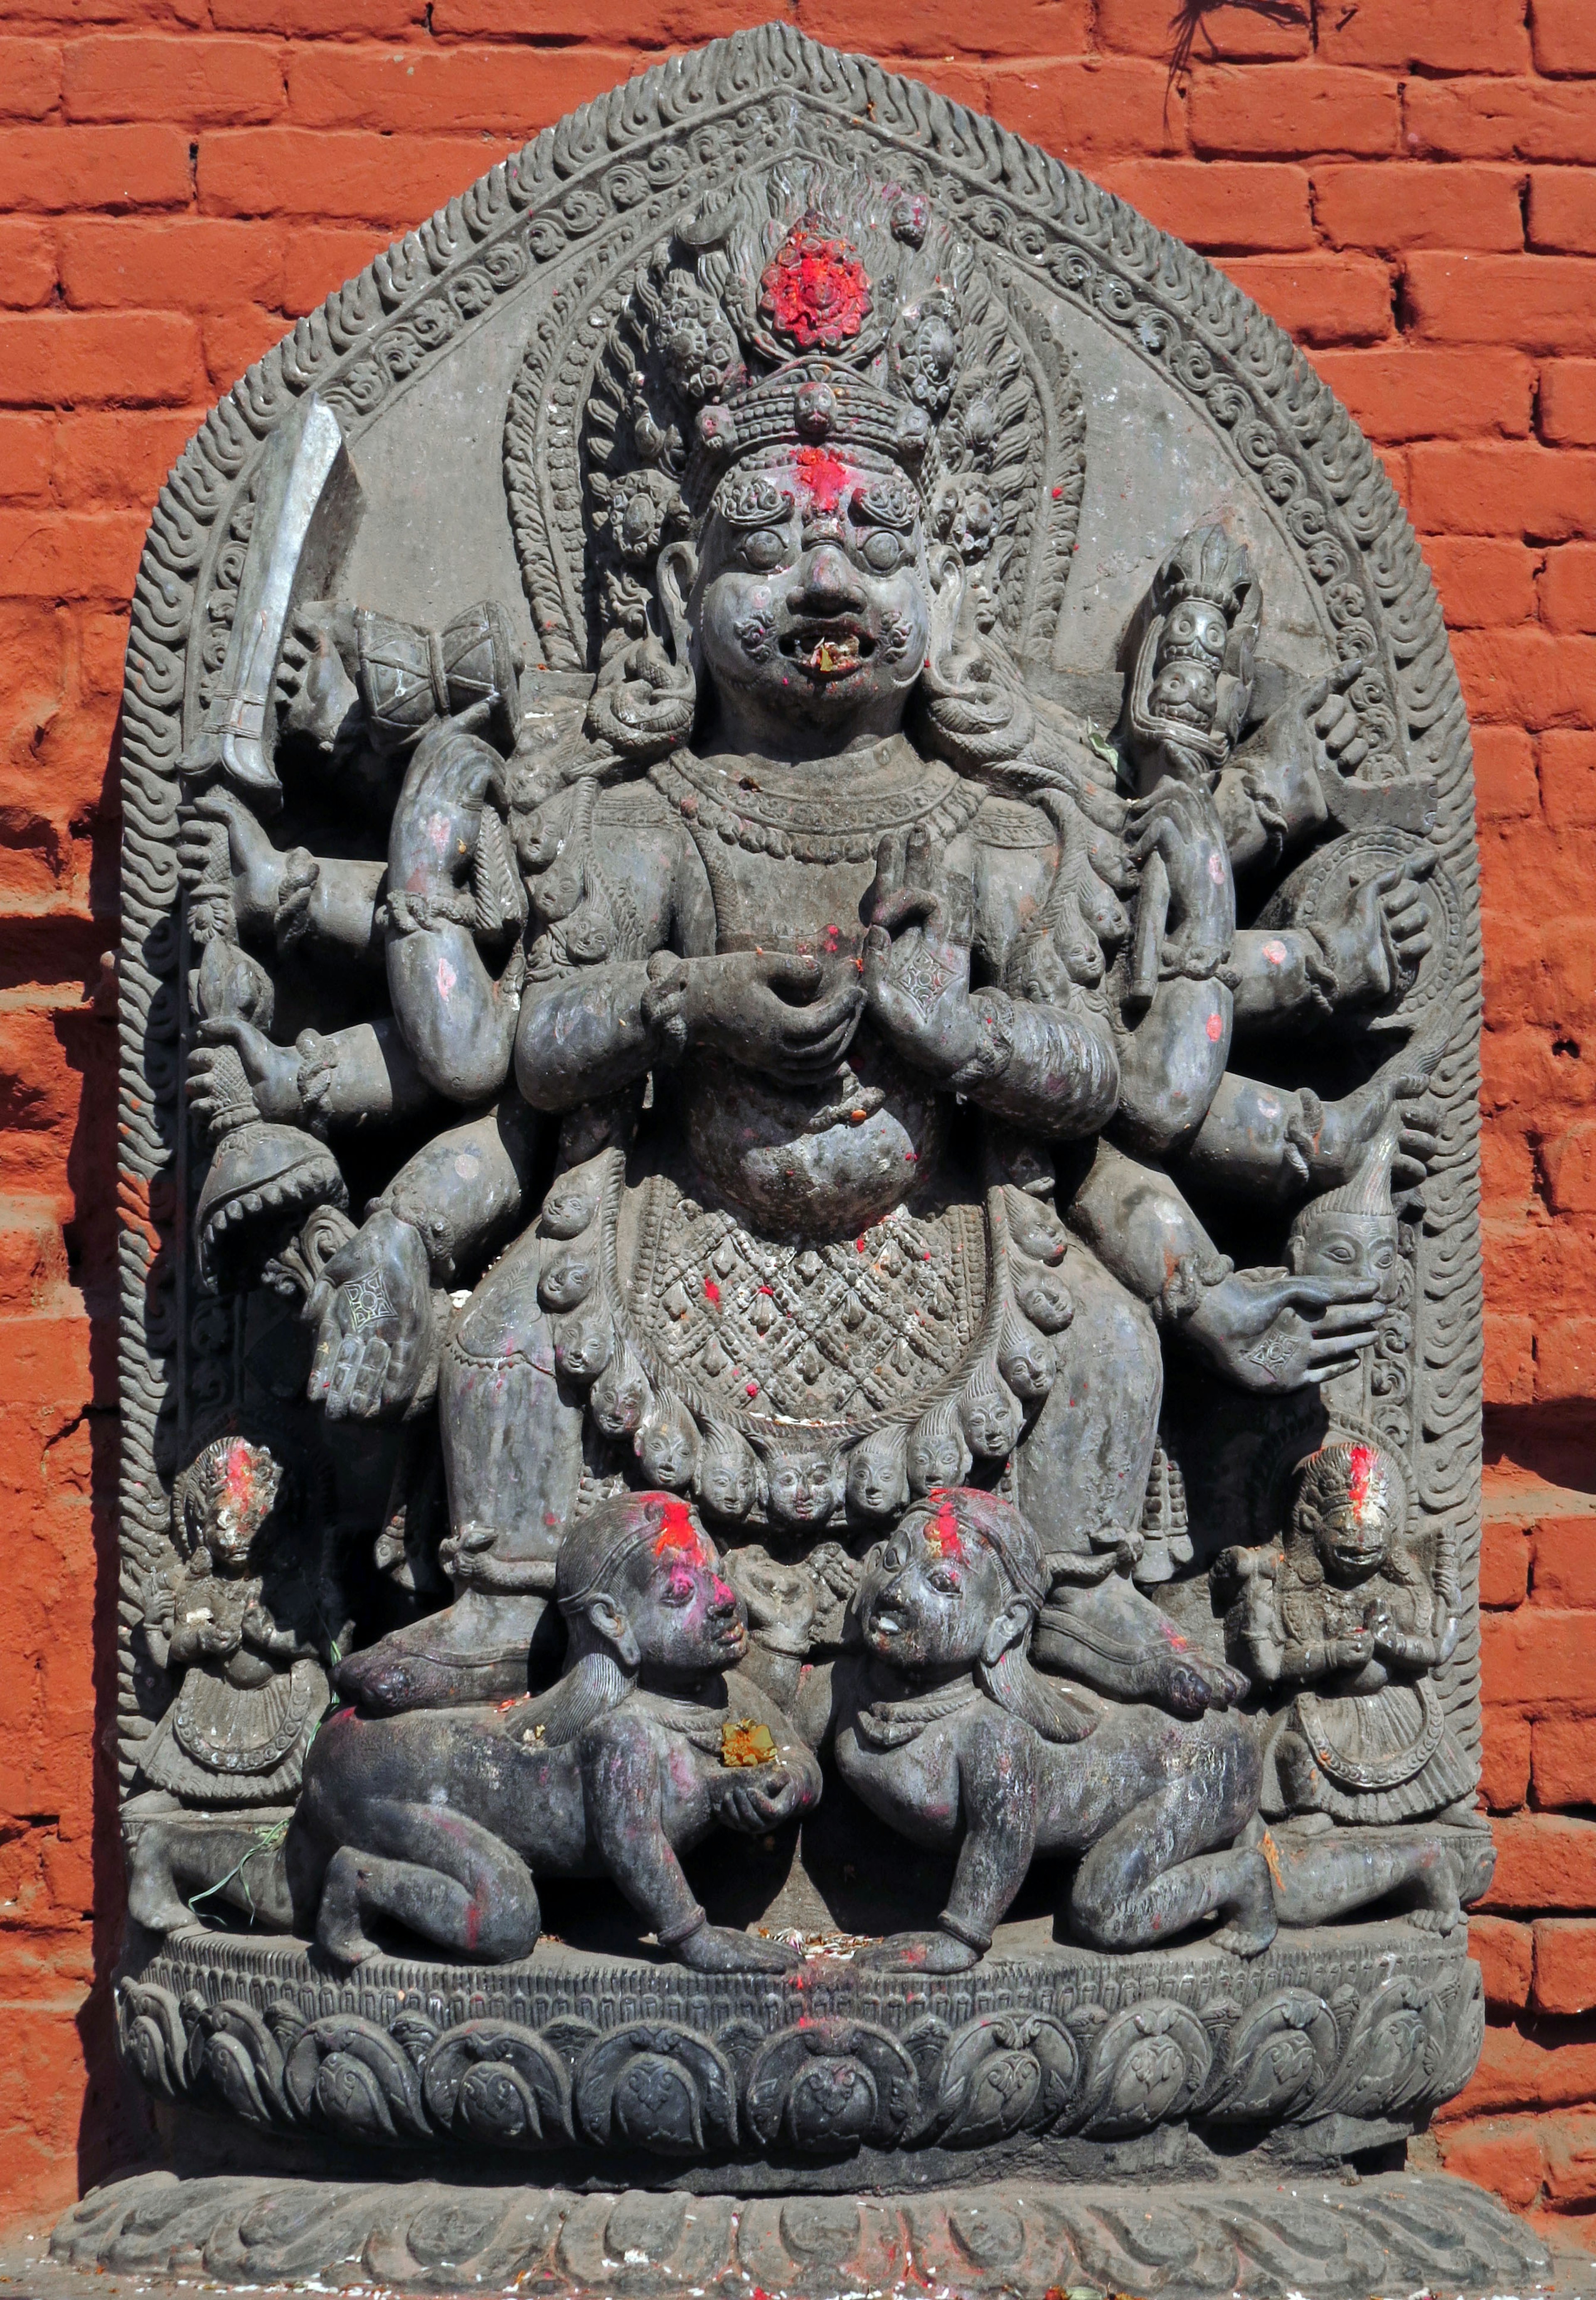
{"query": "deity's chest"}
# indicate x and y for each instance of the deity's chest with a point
(810, 908)
(790, 851)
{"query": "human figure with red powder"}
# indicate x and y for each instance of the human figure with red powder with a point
(441, 1822)
(1346, 1613)
(943, 1728)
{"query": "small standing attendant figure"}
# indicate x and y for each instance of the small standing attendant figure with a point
(244, 1624)
(1346, 1613)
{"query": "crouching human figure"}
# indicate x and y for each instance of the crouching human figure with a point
(944, 1729)
(441, 1821)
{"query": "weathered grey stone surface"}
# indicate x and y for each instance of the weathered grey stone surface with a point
(1324, 2241)
(800, 833)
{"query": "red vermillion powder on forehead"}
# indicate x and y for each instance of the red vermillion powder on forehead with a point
(1362, 1471)
(677, 1530)
(825, 477)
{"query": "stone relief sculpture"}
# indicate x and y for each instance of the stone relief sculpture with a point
(847, 1106)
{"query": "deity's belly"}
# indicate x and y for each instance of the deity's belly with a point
(821, 1162)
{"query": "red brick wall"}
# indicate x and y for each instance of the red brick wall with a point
(1405, 184)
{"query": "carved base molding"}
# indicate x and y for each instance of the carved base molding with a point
(1060, 2064)
(1322, 2241)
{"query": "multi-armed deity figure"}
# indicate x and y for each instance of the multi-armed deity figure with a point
(830, 1051)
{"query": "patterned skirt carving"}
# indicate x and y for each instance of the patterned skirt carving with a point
(1389, 1755)
(222, 1745)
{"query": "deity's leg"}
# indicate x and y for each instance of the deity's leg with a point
(438, 1874)
(1083, 1467)
(1150, 1877)
(1323, 1877)
(513, 1459)
(184, 1867)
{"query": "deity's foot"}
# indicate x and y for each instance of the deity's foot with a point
(1245, 1939)
(1253, 1922)
(481, 1648)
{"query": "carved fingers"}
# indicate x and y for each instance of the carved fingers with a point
(933, 1953)
(231, 1052)
(717, 1949)
(312, 680)
(1333, 718)
(375, 1333)
(777, 1012)
(917, 961)
(1270, 1332)
(219, 837)
(752, 1806)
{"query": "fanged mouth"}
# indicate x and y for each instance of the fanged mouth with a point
(830, 652)
(1187, 714)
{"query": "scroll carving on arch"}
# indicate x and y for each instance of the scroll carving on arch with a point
(800, 1010)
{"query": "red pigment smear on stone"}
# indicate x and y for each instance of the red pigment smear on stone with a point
(816, 291)
(825, 477)
(677, 1530)
(712, 1294)
(239, 1476)
(943, 1532)
(1358, 1487)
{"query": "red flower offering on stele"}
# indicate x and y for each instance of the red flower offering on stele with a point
(815, 291)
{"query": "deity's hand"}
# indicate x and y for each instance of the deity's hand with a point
(1179, 823)
(1270, 1332)
(312, 677)
(376, 1339)
(1315, 728)
(1188, 1683)
(719, 1948)
(257, 867)
(1376, 934)
(754, 1798)
(917, 960)
(791, 1018)
(1354, 1651)
(270, 1072)
(1349, 1126)
(205, 1640)
(933, 1953)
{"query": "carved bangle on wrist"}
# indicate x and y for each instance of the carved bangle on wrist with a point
(1193, 1276)
(301, 874)
(979, 1942)
(671, 1936)
(1318, 965)
(995, 1021)
(1303, 1130)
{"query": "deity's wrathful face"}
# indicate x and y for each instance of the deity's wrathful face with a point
(1186, 691)
(1354, 1540)
(246, 1483)
(1333, 1244)
(685, 1615)
(814, 603)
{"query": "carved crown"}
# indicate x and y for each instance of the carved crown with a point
(810, 307)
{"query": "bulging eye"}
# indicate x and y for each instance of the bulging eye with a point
(764, 549)
(944, 1583)
(883, 551)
